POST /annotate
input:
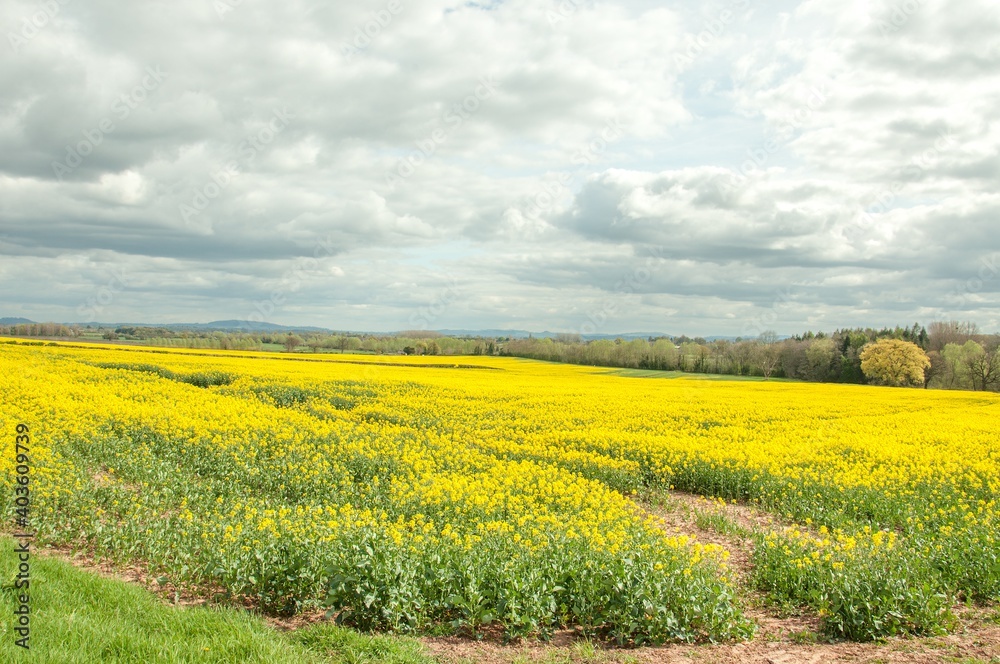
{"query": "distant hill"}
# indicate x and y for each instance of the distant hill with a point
(627, 335)
(243, 325)
(524, 334)
(513, 334)
(237, 325)
(220, 325)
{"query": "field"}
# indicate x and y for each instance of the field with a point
(506, 497)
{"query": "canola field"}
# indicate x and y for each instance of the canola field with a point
(460, 494)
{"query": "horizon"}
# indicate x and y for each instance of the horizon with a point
(285, 327)
(580, 167)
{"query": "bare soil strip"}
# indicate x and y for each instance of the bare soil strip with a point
(781, 639)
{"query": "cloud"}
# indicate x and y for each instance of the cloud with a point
(832, 164)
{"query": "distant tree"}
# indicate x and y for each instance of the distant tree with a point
(292, 341)
(894, 362)
(767, 353)
(983, 365)
(942, 333)
(956, 365)
(741, 354)
(793, 358)
(719, 350)
(688, 359)
(935, 368)
(599, 352)
(821, 354)
(663, 354)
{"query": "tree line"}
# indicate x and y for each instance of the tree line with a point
(417, 342)
(958, 355)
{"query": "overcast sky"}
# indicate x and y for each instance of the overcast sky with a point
(683, 167)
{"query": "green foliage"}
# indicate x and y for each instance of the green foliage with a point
(281, 395)
(894, 362)
(206, 378)
(198, 379)
(78, 618)
(634, 600)
(720, 523)
(140, 512)
(140, 367)
(864, 589)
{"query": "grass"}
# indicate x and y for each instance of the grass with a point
(656, 373)
(719, 523)
(78, 616)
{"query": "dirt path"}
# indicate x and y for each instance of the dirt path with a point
(781, 639)
(978, 643)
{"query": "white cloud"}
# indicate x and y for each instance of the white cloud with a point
(840, 159)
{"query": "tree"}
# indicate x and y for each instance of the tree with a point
(943, 333)
(821, 355)
(955, 358)
(793, 358)
(664, 354)
(894, 362)
(935, 368)
(983, 365)
(741, 355)
(292, 341)
(767, 353)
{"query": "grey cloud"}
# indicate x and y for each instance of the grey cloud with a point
(311, 211)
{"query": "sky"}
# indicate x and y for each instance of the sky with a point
(712, 168)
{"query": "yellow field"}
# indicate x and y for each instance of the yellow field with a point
(409, 492)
